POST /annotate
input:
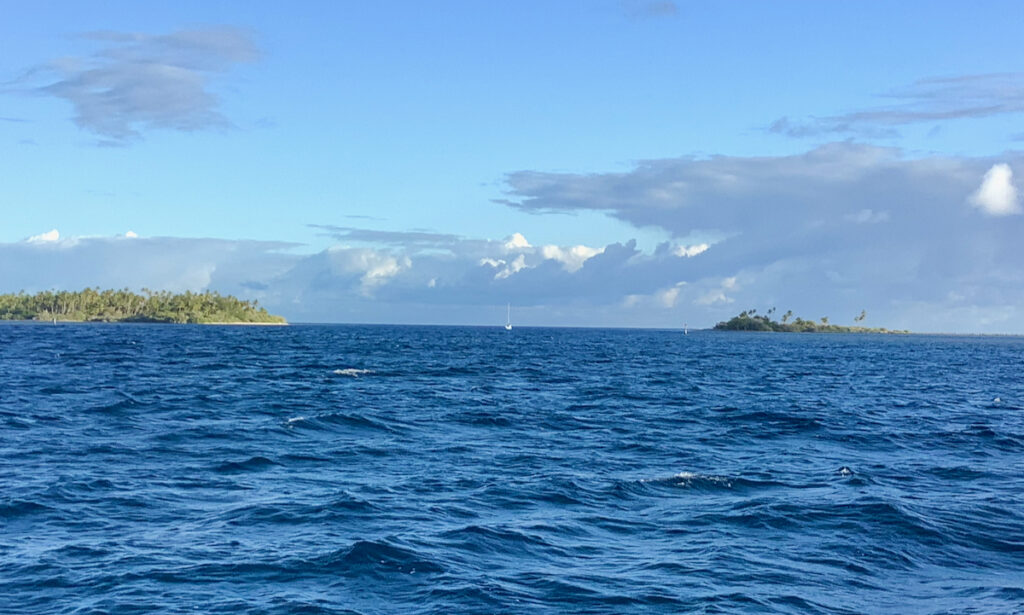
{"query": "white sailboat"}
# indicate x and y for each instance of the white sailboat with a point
(508, 318)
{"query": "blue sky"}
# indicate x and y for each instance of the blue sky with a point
(613, 162)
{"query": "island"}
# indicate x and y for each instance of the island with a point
(750, 320)
(95, 305)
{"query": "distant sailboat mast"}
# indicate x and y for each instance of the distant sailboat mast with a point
(508, 318)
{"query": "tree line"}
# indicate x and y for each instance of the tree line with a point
(750, 320)
(95, 305)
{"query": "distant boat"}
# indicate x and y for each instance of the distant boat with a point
(685, 330)
(508, 318)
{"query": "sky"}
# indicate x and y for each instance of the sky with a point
(621, 163)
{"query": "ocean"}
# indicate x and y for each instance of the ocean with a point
(388, 469)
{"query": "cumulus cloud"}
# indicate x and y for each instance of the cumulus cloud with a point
(52, 235)
(517, 242)
(927, 100)
(572, 259)
(136, 82)
(997, 196)
(508, 269)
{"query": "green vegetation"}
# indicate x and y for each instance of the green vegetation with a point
(95, 305)
(750, 320)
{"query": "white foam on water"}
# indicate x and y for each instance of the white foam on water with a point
(352, 371)
(295, 419)
(688, 478)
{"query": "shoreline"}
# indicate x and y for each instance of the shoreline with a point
(141, 322)
(525, 327)
(238, 324)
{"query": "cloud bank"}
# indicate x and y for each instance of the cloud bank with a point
(913, 239)
(137, 82)
(920, 243)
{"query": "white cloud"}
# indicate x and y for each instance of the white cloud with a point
(131, 235)
(374, 268)
(517, 265)
(50, 236)
(997, 196)
(572, 259)
(689, 251)
(517, 242)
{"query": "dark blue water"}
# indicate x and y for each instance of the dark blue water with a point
(180, 469)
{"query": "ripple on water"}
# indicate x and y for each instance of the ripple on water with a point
(361, 469)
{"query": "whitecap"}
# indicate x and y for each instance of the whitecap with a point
(352, 371)
(686, 479)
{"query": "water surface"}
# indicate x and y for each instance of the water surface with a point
(359, 469)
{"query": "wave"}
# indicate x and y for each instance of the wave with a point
(343, 507)
(481, 539)
(21, 508)
(252, 464)
(330, 421)
(711, 482)
(352, 372)
(374, 558)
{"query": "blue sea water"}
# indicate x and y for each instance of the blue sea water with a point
(371, 469)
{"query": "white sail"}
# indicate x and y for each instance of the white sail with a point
(508, 318)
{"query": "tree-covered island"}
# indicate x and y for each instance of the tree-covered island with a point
(95, 305)
(750, 320)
